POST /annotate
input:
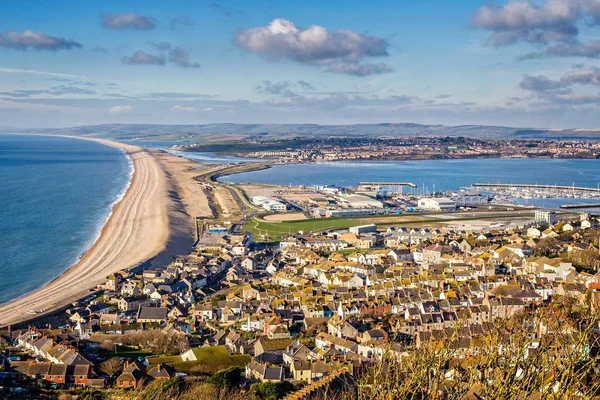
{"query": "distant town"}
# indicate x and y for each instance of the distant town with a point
(399, 148)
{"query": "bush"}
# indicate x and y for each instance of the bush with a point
(226, 378)
(168, 389)
(271, 390)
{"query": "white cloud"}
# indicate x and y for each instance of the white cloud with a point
(178, 108)
(552, 26)
(188, 109)
(315, 45)
(119, 110)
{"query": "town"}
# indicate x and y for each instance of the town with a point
(336, 148)
(306, 315)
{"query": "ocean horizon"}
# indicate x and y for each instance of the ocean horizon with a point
(57, 193)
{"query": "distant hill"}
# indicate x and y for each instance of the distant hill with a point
(219, 132)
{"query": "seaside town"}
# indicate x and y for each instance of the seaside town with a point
(407, 148)
(309, 315)
(285, 200)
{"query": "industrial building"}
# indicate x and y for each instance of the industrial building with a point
(359, 201)
(548, 217)
(346, 212)
(362, 229)
(268, 203)
(469, 199)
(436, 204)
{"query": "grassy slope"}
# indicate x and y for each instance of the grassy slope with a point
(210, 360)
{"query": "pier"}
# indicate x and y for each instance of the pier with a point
(582, 205)
(536, 186)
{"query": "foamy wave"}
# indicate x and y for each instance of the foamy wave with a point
(120, 196)
(91, 243)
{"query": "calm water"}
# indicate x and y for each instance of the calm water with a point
(211, 158)
(441, 175)
(55, 195)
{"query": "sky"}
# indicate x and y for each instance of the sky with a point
(526, 63)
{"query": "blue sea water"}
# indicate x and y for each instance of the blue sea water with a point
(438, 175)
(211, 158)
(55, 195)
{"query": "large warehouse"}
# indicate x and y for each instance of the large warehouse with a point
(436, 204)
(359, 201)
(268, 203)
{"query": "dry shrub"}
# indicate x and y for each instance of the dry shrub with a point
(549, 353)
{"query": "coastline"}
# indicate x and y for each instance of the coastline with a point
(136, 229)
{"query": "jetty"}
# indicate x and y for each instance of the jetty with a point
(581, 205)
(537, 186)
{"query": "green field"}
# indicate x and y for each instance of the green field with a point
(210, 360)
(128, 352)
(277, 230)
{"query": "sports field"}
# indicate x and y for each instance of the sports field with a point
(263, 230)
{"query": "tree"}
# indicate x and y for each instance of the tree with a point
(111, 367)
(158, 341)
(226, 378)
(271, 390)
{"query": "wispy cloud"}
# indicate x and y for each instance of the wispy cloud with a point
(142, 58)
(181, 21)
(38, 72)
(128, 21)
(360, 69)
(53, 91)
(220, 9)
(36, 41)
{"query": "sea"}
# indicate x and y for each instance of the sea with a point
(199, 157)
(437, 175)
(55, 195)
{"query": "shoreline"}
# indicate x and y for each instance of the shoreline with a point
(97, 231)
(135, 230)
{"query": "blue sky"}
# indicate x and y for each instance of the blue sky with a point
(517, 63)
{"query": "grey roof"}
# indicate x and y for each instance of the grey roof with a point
(273, 373)
(153, 313)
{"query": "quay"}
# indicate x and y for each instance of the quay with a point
(582, 205)
(536, 186)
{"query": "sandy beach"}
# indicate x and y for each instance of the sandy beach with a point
(137, 230)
